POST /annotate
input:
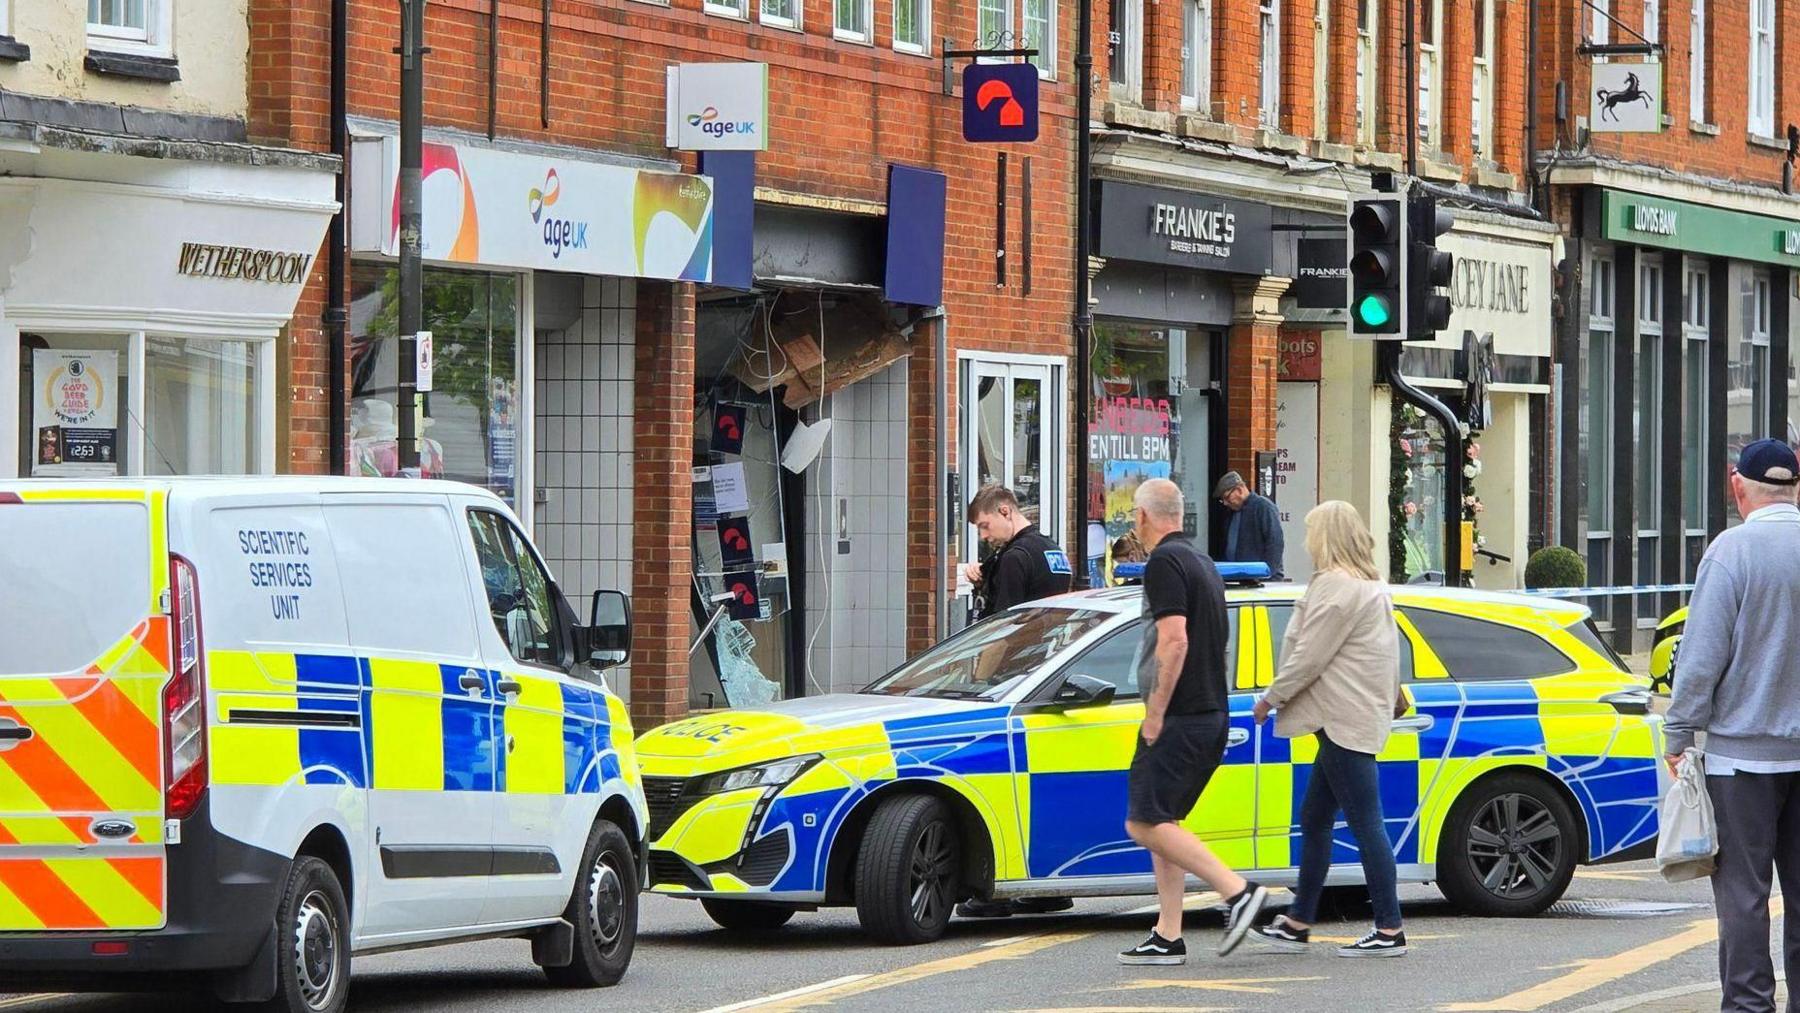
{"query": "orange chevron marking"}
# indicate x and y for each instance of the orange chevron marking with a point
(78, 825)
(48, 897)
(51, 779)
(156, 640)
(116, 717)
(145, 875)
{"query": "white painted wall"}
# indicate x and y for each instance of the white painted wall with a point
(210, 39)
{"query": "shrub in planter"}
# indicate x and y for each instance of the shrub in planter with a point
(1555, 566)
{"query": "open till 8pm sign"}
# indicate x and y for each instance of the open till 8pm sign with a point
(1000, 102)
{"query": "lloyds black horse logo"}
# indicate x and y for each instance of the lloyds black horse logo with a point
(1611, 100)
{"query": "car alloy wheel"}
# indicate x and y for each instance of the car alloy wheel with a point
(933, 866)
(1515, 846)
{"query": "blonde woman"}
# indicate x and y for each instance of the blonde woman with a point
(1339, 679)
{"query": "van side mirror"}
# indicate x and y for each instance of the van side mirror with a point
(1084, 691)
(609, 630)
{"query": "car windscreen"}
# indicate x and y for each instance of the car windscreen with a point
(986, 659)
(74, 579)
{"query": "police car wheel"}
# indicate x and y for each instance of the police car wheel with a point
(747, 915)
(908, 871)
(1508, 848)
(313, 961)
(603, 909)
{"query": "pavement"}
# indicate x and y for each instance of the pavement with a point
(1621, 940)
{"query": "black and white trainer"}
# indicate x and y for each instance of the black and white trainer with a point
(1156, 951)
(1375, 944)
(1243, 911)
(1281, 934)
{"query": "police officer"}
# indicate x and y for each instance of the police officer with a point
(1027, 565)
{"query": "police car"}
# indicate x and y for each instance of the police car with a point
(251, 727)
(993, 766)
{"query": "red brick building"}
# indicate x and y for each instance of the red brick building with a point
(587, 395)
(1676, 339)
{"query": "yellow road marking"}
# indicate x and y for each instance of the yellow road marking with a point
(1126, 1009)
(1193, 901)
(831, 992)
(1603, 970)
(1620, 874)
(1258, 985)
(789, 994)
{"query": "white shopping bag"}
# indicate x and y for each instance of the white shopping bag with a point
(1689, 835)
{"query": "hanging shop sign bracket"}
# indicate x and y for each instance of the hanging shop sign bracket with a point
(997, 46)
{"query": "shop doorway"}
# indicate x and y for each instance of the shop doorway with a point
(1012, 417)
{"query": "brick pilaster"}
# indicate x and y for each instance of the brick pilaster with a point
(1251, 355)
(662, 534)
(928, 408)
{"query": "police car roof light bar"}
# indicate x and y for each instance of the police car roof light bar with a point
(1244, 573)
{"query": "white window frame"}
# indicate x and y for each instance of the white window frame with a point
(921, 47)
(791, 23)
(1696, 326)
(1322, 69)
(1762, 68)
(1481, 97)
(865, 37)
(156, 39)
(1129, 52)
(1368, 71)
(6, 18)
(986, 36)
(1697, 61)
(1650, 415)
(737, 10)
(1599, 25)
(1602, 311)
(1431, 77)
(1056, 462)
(1046, 58)
(1269, 47)
(1196, 55)
(1653, 20)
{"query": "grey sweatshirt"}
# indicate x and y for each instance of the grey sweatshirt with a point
(1737, 675)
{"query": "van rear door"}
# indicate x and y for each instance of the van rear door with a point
(84, 655)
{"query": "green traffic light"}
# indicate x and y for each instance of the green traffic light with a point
(1373, 311)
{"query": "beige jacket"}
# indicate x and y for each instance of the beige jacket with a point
(1340, 664)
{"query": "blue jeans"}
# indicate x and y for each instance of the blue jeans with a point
(1347, 780)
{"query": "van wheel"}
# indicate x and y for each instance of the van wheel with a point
(312, 966)
(908, 871)
(603, 909)
(1508, 848)
(747, 915)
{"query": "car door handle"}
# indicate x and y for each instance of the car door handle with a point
(1418, 723)
(509, 687)
(472, 681)
(12, 734)
(1237, 737)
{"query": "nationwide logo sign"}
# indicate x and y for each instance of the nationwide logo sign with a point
(1000, 103)
(559, 233)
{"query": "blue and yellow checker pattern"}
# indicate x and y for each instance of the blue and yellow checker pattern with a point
(408, 725)
(1049, 788)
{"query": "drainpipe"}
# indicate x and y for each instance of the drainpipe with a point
(1084, 308)
(337, 316)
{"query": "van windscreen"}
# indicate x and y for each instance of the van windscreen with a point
(74, 579)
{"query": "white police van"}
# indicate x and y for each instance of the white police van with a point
(249, 727)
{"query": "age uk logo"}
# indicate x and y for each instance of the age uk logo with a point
(709, 123)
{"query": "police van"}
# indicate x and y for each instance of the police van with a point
(250, 727)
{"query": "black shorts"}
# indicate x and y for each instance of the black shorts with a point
(1166, 778)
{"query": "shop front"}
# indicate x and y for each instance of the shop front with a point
(536, 262)
(1183, 304)
(1679, 354)
(144, 286)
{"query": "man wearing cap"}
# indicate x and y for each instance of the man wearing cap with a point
(1738, 680)
(1254, 534)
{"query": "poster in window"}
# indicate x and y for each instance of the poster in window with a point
(734, 541)
(1131, 441)
(746, 598)
(76, 412)
(503, 438)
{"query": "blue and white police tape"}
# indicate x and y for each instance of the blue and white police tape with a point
(1608, 592)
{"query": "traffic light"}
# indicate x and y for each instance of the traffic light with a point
(1428, 269)
(1377, 264)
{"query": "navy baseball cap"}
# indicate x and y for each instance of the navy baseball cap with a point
(1770, 461)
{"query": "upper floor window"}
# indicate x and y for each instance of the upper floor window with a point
(1322, 69)
(729, 8)
(139, 25)
(783, 13)
(1269, 14)
(912, 25)
(1481, 97)
(1368, 28)
(1762, 67)
(1125, 44)
(1196, 55)
(853, 20)
(1431, 25)
(1040, 33)
(1697, 111)
(1599, 21)
(1652, 20)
